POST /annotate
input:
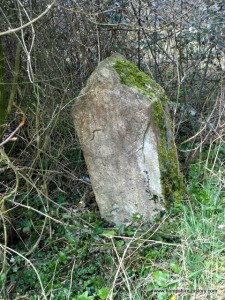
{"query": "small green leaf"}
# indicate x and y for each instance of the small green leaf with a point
(2, 277)
(103, 293)
(119, 244)
(162, 283)
(26, 229)
(65, 216)
(62, 257)
(162, 296)
(159, 275)
(15, 269)
(175, 268)
(84, 296)
(161, 278)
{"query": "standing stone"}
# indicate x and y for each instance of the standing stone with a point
(123, 125)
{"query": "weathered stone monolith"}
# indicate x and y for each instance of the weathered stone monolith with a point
(123, 125)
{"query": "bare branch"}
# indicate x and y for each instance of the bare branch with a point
(10, 137)
(13, 30)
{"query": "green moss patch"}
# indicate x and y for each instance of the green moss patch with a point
(172, 179)
(131, 76)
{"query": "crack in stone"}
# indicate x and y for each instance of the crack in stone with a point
(93, 133)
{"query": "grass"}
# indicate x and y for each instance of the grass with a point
(81, 257)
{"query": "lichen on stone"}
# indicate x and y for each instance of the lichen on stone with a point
(172, 180)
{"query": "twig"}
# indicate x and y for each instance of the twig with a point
(9, 138)
(13, 30)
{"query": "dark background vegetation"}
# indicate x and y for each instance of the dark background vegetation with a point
(48, 214)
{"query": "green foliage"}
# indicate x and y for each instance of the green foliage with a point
(175, 268)
(161, 278)
(82, 262)
(103, 293)
(79, 258)
(84, 296)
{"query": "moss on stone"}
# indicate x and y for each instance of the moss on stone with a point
(172, 180)
(131, 76)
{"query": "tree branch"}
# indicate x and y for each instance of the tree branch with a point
(13, 30)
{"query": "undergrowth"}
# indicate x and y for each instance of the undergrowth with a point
(76, 255)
